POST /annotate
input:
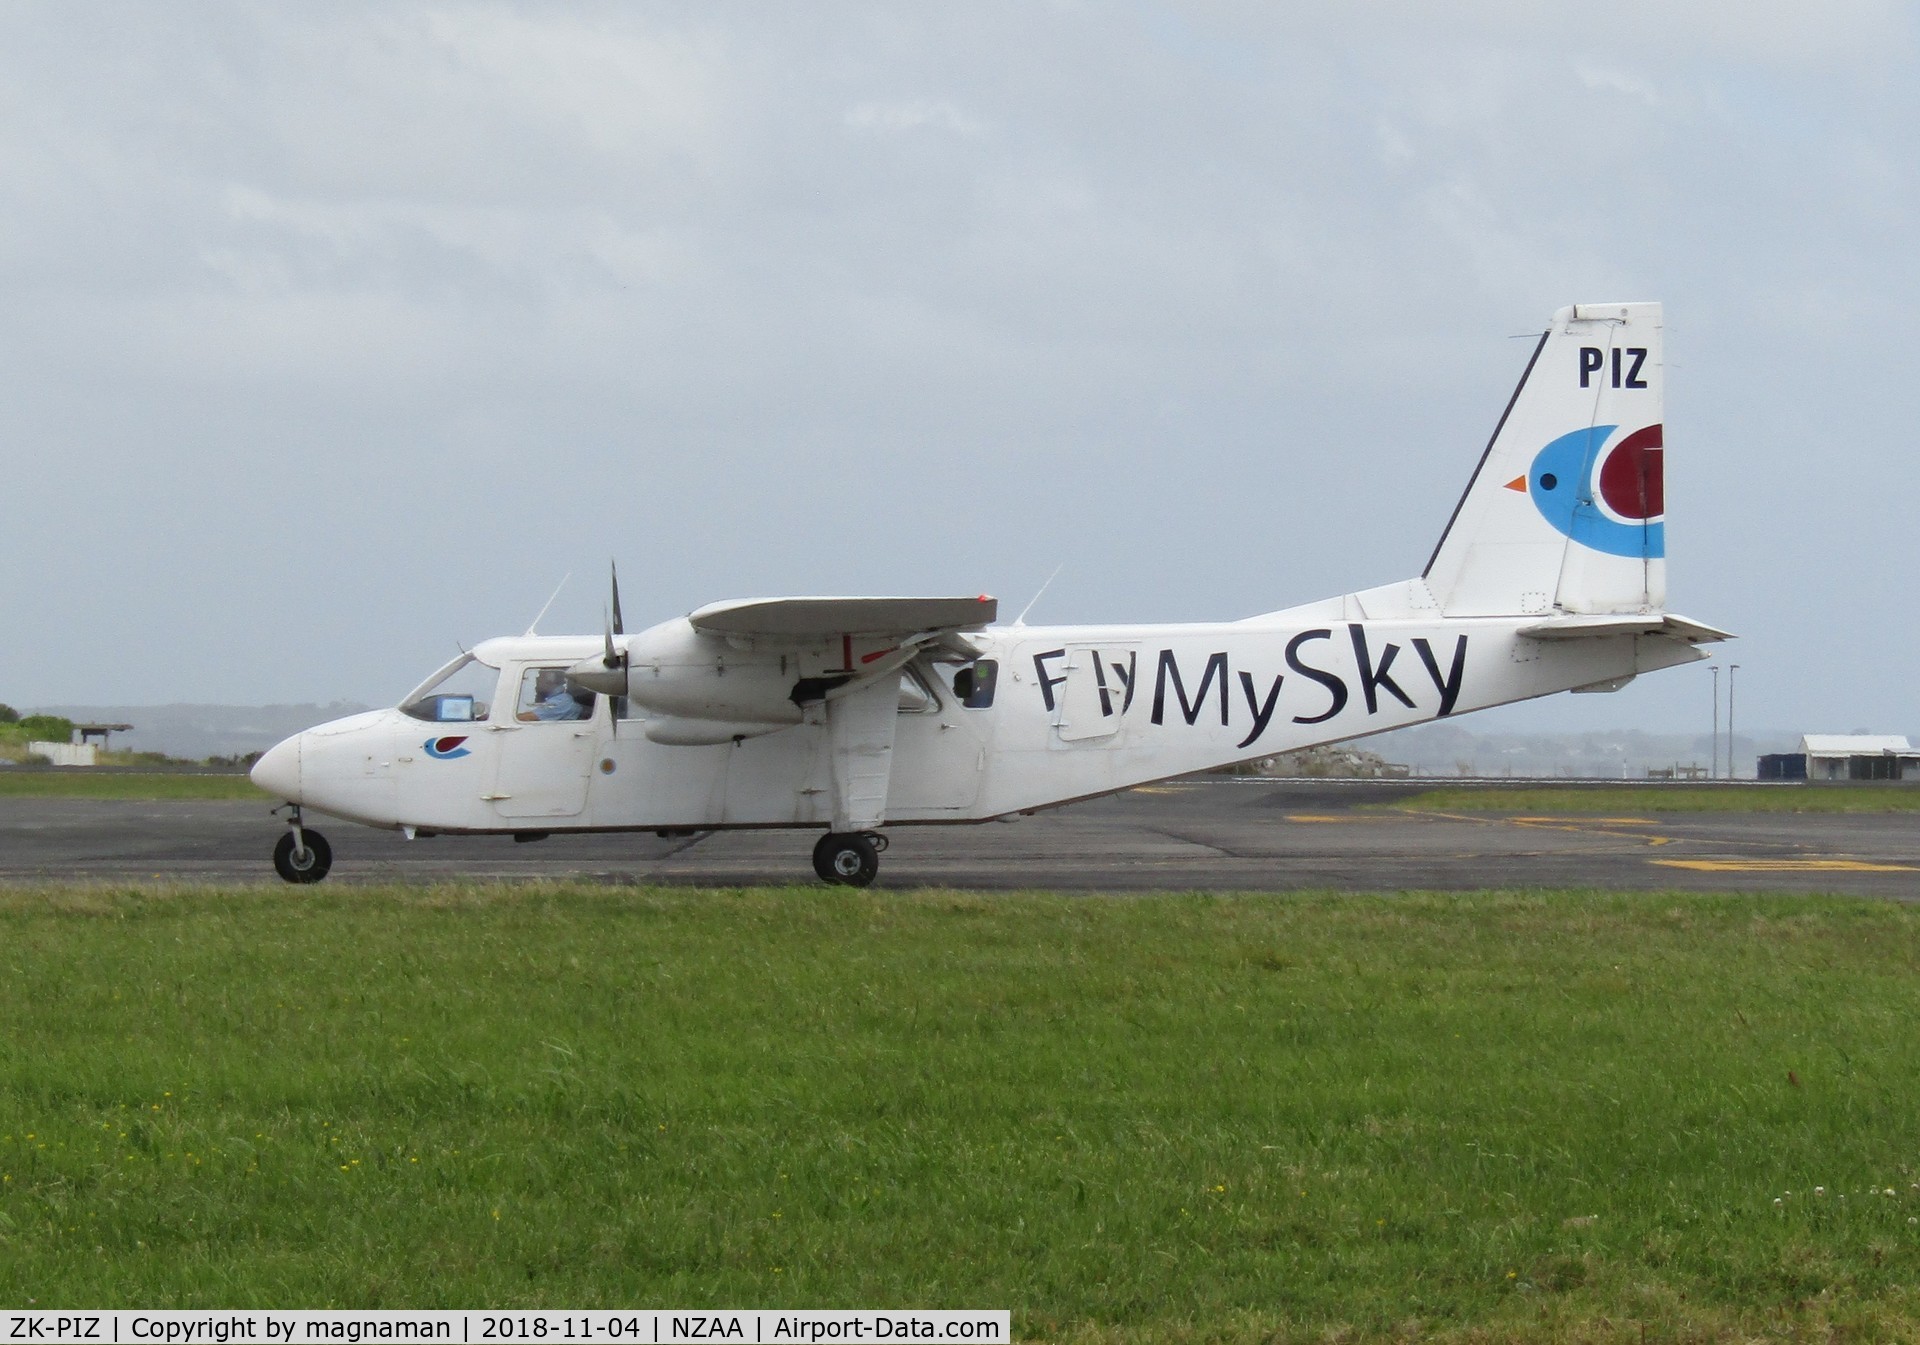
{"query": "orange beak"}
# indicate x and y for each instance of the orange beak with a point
(1518, 483)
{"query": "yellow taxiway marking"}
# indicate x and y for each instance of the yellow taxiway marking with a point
(1785, 866)
(1581, 823)
(1582, 826)
(1609, 821)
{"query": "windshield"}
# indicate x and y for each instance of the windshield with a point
(460, 693)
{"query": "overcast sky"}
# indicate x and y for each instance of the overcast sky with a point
(335, 335)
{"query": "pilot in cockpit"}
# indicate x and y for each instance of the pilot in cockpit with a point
(545, 696)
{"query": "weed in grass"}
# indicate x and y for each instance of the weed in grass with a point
(1494, 1116)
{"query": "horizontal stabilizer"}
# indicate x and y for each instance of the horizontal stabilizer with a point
(830, 617)
(1596, 627)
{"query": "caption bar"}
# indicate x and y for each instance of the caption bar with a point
(646, 1328)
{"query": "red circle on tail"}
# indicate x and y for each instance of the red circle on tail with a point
(1630, 478)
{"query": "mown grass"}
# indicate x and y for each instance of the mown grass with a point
(1610, 799)
(1552, 1116)
(95, 784)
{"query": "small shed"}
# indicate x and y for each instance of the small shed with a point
(1782, 766)
(86, 733)
(1860, 756)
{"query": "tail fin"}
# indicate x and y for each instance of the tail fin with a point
(1565, 512)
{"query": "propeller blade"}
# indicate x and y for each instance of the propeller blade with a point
(618, 627)
(613, 659)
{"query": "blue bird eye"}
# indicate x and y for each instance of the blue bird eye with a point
(1548, 480)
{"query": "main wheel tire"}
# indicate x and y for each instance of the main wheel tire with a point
(309, 865)
(823, 858)
(848, 859)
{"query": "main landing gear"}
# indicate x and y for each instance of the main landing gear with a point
(302, 855)
(849, 857)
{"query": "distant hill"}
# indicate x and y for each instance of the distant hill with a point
(199, 731)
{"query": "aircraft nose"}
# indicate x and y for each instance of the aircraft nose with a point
(278, 772)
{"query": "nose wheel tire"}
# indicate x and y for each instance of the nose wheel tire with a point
(308, 864)
(846, 858)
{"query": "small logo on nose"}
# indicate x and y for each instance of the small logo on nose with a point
(446, 749)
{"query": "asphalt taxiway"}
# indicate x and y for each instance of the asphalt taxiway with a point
(1215, 836)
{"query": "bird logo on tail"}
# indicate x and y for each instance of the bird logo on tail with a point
(1611, 499)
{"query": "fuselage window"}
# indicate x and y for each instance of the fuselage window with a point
(973, 684)
(916, 697)
(457, 694)
(545, 697)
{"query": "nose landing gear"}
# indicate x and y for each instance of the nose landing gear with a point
(302, 855)
(851, 858)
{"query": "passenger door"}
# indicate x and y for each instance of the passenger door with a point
(937, 751)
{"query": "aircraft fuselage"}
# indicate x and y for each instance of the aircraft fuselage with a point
(1075, 712)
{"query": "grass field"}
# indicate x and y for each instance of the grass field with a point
(1666, 799)
(87, 784)
(1565, 1116)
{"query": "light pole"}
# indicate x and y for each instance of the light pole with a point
(1713, 759)
(1732, 668)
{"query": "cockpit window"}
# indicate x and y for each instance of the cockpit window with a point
(973, 684)
(460, 693)
(546, 697)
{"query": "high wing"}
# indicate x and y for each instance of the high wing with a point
(859, 692)
(815, 618)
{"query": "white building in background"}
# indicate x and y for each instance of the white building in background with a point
(1860, 756)
(65, 754)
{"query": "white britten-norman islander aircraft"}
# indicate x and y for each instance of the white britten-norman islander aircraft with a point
(843, 715)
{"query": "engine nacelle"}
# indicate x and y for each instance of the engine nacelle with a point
(678, 672)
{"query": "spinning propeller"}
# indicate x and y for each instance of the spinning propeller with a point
(616, 660)
(608, 673)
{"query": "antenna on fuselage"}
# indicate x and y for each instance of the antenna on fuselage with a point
(1021, 620)
(534, 624)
